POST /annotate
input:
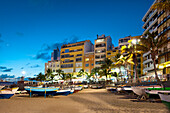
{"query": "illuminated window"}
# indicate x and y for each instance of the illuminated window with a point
(87, 59)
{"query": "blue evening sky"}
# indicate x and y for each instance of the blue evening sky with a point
(31, 29)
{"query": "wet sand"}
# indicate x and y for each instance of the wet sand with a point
(86, 101)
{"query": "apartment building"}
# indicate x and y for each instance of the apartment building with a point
(89, 62)
(53, 65)
(164, 53)
(102, 45)
(72, 56)
(150, 20)
(112, 53)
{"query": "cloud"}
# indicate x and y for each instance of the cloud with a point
(3, 76)
(22, 67)
(35, 66)
(7, 70)
(27, 64)
(45, 52)
(2, 67)
(43, 56)
(19, 34)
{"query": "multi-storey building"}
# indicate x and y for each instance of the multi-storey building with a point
(102, 45)
(53, 65)
(150, 20)
(72, 56)
(89, 62)
(164, 52)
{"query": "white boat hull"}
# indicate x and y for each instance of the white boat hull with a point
(165, 97)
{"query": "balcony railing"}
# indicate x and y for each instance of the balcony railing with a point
(68, 61)
(165, 51)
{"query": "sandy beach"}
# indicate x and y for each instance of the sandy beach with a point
(85, 101)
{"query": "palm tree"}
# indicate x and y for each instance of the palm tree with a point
(106, 67)
(127, 60)
(48, 73)
(59, 72)
(95, 71)
(118, 63)
(81, 72)
(152, 45)
(161, 5)
(63, 76)
(40, 77)
(88, 76)
(132, 52)
(70, 76)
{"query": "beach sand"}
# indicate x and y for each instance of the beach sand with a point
(85, 101)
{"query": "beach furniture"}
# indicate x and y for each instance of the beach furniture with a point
(7, 93)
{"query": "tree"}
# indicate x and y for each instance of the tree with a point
(132, 52)
(40, 77)
(48, 73)
(118, 63)
(95, 71)
(70, 76)
(161, 5)
(59, 72)
(63, 76)
(106, 67)
(81, 73)
(152, 45)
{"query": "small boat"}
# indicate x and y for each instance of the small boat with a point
(140, 90)
(41, 91)
(127, 88)
(153, 92)
(112, 89)
(119, 89)
(1, 87)
(63, 92)
(85, 86)
(71, 91)
(76, 89)
(96, 86)
(165, 98)
(7, 93)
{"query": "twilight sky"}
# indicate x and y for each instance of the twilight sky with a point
(31, 29)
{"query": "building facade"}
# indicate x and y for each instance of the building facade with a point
(102, 45)
(150, 20)
(72, 56)
(89, 62)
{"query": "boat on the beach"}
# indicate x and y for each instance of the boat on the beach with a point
(63, 92)
(85, 86)
(127, 88)
(153, 92)
(111, 89)
(165, 98)
(119, 89)
(41, 91)
(140, 90)
(7, 93)
(96, 86)
(1, 87)
(77, 88)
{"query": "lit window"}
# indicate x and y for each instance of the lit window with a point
(87, 59)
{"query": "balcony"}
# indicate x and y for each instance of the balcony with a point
(66, 46)
(66, 56)
(101, 45)
(146, 61)
(153, 22)
(68, 61)
(66, 65)
(163, 21)
(165, 30)
(163, 52)
(149, 18)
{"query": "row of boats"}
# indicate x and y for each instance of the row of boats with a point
(146, 91)
(6, 93)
